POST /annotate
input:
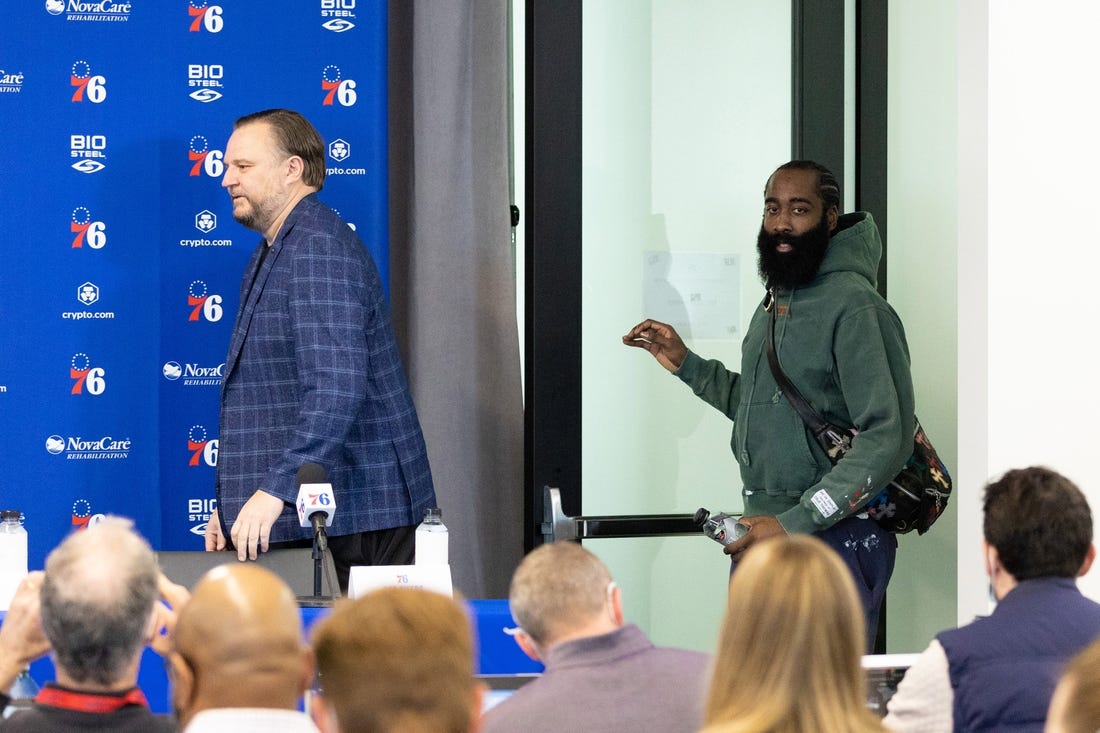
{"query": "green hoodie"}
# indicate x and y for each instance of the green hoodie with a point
(844, 347)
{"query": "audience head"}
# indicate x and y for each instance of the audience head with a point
(1075, 707)
(396, 659)
(1039, 524)
(97, 605)
(239, 644)
(790, 644)
(561, 591)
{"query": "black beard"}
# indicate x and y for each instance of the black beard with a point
(793, 269)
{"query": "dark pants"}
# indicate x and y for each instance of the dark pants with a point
(869, 551)
(394, 546)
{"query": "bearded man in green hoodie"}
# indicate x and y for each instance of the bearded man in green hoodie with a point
(844, 348)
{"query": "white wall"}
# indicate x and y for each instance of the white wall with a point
(1028, 211)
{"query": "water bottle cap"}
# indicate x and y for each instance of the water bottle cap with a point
(13, 515)
(433, 513)
(701, 516)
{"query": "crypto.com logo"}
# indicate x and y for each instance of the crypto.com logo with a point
(206, 221)
(337, 88)
(339, 14)
(339, 150)
(205, 17)
(200, 302)
(88, 87)
(86, 378)
(203, 159)
(200, 448)
(87, 231)
(87, 293)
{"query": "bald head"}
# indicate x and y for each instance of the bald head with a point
(238, 643)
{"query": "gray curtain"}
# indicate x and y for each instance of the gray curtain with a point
(453, 269)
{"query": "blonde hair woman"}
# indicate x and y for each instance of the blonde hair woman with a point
(789, 651)
(1075, 707)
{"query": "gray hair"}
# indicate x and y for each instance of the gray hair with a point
(558, 587)
(97, 600)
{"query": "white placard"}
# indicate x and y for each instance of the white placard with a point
(365, 578)
(697, 293)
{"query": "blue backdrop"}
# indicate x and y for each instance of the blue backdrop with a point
(120, 261)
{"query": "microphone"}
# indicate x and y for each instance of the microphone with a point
(316, 501)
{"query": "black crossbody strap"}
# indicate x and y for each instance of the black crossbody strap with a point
(813, 419)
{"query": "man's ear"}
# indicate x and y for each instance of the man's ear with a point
(477, 705)
(295, 168)
(322, 713)
(309, 670)
(182, 679)
(1089, 557)
(991, 558)
(617, 605)
(528, 646)
(832, 216)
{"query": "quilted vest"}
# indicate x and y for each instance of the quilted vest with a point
(1004, 666)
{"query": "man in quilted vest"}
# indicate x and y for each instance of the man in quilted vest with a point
(998, 672)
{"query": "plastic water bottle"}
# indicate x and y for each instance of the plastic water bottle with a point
(22, 693)
(13, 555)
(722, 528)
(431, 539)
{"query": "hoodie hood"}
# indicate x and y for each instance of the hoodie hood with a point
(854, 247)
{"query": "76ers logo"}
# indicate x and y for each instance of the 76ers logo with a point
(86, 378)
(200, 448)
(89, 87)
(94, 233)
(209, 305)
(336, 88)
(205, 17)
(203, 159)
(82, 515)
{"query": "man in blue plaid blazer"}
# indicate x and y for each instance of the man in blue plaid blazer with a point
(313, 373)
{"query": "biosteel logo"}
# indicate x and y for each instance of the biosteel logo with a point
(87, 86)
(339, 15)
(91, 150)
(199, 510)
(203, 451)
(205, 81)
(87, 230)
(205, 17)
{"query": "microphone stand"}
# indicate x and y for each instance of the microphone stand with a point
(320, 547)
(318, 555)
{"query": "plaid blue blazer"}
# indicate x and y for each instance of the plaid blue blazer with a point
(313, 374)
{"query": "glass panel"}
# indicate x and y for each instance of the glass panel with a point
(686, 113)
